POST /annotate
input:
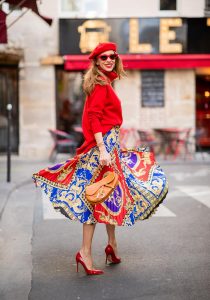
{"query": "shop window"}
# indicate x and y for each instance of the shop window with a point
(168, 4)
(203, 110)
(70, 99)
(152, 91)
(83, 8)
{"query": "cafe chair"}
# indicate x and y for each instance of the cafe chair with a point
(181, 143)
(194, 142)
(148, 139)
(62, 143)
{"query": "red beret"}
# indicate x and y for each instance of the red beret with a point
(102, 47)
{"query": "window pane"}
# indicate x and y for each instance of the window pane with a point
(207, 7)
(167, 4)
(85, 8)
(95, 7)
(71, 5)
(70, 99)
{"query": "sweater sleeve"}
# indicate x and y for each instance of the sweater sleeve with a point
(96, 106)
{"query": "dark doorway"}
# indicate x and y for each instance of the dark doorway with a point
(203, 110)
(9, 94)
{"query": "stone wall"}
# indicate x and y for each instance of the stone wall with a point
(37, 111)
(142, 8)
(179, 109)
(36, 82)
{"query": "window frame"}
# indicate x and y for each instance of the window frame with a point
(207, 8)
(168, 9)
(153, 104)
(168, 13)
(81, 13)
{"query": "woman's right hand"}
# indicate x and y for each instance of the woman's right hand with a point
(105, 158)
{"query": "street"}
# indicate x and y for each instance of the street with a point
(165, 257)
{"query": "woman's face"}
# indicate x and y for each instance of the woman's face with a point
(106, 60)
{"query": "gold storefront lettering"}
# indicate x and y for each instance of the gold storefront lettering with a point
(134, 45)
(166, 35)
(93, 32)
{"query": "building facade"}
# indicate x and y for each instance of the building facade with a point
(164, 46)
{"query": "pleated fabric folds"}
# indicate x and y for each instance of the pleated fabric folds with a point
(142, 184)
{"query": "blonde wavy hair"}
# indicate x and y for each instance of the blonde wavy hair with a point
(94, 76)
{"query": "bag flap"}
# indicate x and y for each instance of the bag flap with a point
(93, 188)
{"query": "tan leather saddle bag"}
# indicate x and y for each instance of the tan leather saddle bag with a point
(102, 189)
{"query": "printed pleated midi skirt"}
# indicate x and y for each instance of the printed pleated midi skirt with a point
(142, 184)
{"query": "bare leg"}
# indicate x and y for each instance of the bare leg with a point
(88, 231)
(111, 237)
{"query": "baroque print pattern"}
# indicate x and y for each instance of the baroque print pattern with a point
(142, 185)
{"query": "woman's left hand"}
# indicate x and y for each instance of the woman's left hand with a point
(105, 158)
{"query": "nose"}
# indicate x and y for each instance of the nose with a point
(109, 59)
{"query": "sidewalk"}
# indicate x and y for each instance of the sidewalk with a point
(21, 173)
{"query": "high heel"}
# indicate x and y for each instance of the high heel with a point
(110, 252)
(80, 260)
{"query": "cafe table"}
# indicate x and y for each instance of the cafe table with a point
(174, 141)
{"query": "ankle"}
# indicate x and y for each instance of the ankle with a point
(113, 243)
(85, 251)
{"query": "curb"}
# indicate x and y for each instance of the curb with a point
(16, 186)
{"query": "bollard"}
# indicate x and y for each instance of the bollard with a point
(9, 110)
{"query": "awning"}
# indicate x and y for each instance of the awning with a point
(30, 4)
(145, 61)
(3, 28)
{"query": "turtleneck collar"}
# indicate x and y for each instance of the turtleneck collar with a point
(110, 75)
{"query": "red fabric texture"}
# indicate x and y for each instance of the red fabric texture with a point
(102, 111)
(102, 47)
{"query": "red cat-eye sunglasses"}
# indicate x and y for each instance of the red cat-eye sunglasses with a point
(104, 57)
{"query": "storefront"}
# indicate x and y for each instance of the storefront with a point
(203, 108)
(21, 46)
(162, 57)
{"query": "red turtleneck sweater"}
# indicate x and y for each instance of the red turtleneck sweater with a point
(102, 111)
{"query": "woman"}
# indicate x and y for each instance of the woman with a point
(142, 184)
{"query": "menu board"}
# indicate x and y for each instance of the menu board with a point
(152, 88)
